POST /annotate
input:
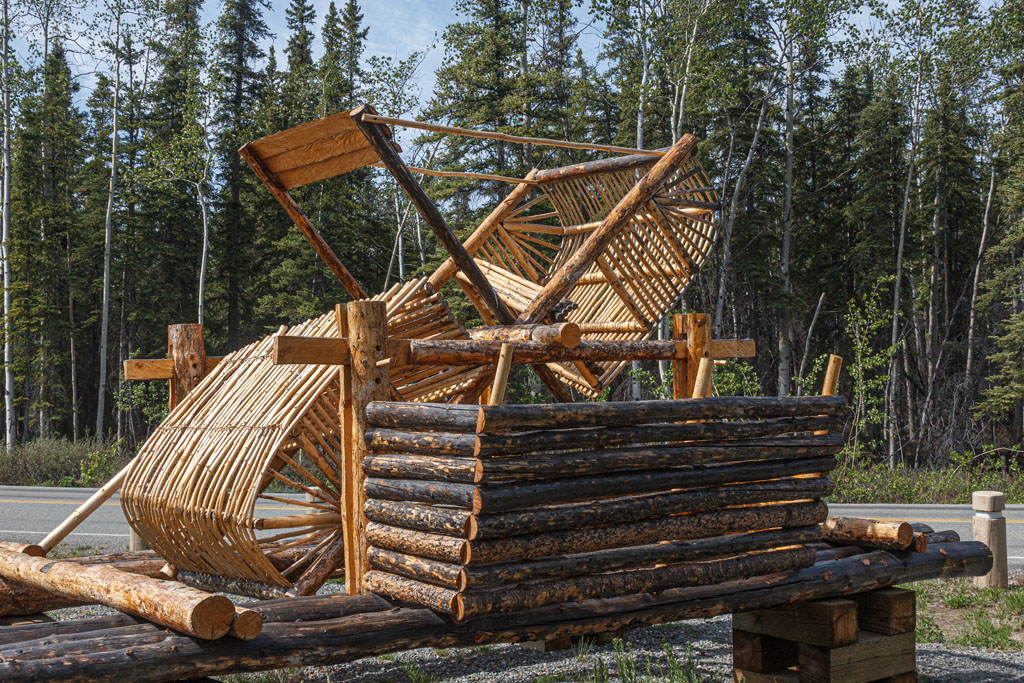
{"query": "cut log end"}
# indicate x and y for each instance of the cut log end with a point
(471, 528)
(247, 624)
(213, 617)
(26, 548)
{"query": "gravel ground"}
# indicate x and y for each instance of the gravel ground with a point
(706, 643)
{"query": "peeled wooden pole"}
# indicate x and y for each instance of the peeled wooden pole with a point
(168, 603)
(378, 139)
(97, 499)
(501, 371)
(868, 533)
(835, 364)
(702, 382)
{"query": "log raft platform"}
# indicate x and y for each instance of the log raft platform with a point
(319, 630)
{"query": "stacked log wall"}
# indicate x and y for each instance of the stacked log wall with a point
(480, 509)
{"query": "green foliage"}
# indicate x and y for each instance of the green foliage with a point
(628, 669)
(737, 378)
(59, 462)
(867, 321)
(878, 483)
(414, 675)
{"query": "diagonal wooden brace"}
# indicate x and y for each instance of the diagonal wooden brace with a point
(615, 222)
(496, 308)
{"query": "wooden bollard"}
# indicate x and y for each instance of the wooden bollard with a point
(990, 528)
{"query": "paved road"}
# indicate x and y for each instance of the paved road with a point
(28, 513)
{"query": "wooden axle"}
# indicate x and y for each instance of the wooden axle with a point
(332, 351)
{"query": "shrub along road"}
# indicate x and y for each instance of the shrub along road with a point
(28, 513)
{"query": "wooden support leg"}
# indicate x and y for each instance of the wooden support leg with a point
(369, 381)
(679, 371)
(865, 639)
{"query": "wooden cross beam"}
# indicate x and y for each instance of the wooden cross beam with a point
(186, 363)
(695, 330)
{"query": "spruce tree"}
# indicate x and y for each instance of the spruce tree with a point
(240, 28)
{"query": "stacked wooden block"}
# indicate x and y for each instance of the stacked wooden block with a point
(867, 637)
(496, 508)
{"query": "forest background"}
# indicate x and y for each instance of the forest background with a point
(869, 158)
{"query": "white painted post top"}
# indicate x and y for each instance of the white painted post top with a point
(988, 501)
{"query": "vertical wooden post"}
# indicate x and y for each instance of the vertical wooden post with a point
(501, 371)
(679, 364)
(835, 364)
(702, 387)
(185, 348)
(698, 342)
(367, 343)
(990, 528)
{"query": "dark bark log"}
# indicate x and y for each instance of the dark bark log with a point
(429, 518)
(223, 584)
(421, 569)
(380, 440)
(652, 580)
(520, 495)
(463, 524)
(483, 500)
(837, 578)
(436, 492)
(433, 546)
(574, 439)
(410, 590)
(508, 418)
(284, 646)
(648, 457)
(489, 575)
(949, 536)
(497, 470)
(415, 466)
(444, 417)
(674, 528)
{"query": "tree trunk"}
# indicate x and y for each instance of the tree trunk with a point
(726, 238)
(206, 249)
(785, 317)
(108, 235)
(972, 318)
(5, 246)
(898, 284)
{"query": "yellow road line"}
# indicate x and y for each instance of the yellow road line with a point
(75, 502)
